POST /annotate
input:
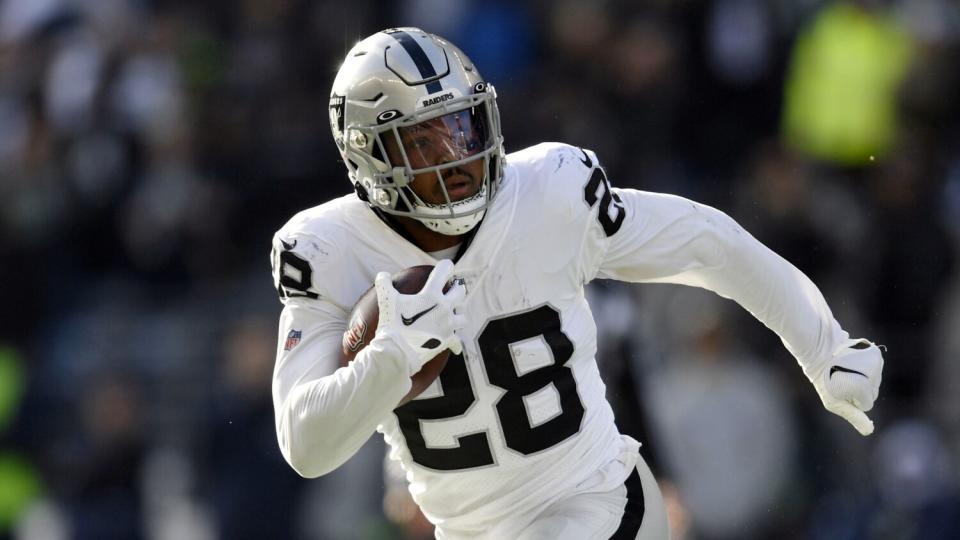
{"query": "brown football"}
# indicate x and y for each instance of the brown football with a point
(363, 322)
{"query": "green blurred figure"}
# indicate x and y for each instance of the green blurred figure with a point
(841, 90)
(19, 481)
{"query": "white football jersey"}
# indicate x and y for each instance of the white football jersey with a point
(521, 418)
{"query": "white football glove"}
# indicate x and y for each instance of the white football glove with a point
(423, 323)
(849, 382)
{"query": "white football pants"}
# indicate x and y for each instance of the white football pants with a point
(634, 510)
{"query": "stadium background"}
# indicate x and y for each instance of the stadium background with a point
(148, 150)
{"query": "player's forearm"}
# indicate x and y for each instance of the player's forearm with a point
(775, 292)
(322, 423)
(668, 239)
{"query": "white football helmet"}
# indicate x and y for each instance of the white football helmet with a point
(395, 83)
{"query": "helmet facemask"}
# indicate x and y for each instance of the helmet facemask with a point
(446, 151)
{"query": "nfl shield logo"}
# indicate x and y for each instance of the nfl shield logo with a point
(292, 339)
(353, 337)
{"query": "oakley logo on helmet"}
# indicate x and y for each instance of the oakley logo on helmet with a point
(387, 116)
(438, 99)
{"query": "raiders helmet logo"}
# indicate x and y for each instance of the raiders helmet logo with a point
(336, 118)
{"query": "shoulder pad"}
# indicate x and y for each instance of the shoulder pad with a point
(304, 248)
(558, 173)
(573, 181)
(556, 159)
(295, 258)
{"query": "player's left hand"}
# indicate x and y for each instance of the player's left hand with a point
(849, 382)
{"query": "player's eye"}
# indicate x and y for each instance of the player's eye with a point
(421, 142)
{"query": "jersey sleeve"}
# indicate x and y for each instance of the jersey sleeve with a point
(324, 413)
(648, 237)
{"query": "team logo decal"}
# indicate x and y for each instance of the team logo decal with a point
(336, 118)
(293, 338)
(356, 331)
(437, 99)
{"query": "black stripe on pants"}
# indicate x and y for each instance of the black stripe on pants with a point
(633, 511)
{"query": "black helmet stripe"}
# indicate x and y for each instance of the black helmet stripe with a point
(419, 57)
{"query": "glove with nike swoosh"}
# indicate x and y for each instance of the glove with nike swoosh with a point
(849, 382)
(424, 323)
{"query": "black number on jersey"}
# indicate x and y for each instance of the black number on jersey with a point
(473, 450)
(609, 201)
(292, 274)
(495, 341)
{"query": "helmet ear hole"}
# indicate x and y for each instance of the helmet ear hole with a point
(361, 192)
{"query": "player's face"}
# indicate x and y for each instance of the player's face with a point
(438, 141)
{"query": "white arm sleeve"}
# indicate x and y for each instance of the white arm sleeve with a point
(669, 239)
(325, 414)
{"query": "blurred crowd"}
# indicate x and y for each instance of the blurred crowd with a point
(149, 149)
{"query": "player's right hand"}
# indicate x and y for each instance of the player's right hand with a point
(423, 323)
(850, 382)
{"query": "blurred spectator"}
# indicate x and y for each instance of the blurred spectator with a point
(254, 493)
(350, 503)
(103, 496)
(841, 96)
(941, 398)
(779, 205)
(724, 424)
(497, 35)
(20, 483)
(614, 309)
(906, 280)
(399, 507)
(741, 36)
(915, 493)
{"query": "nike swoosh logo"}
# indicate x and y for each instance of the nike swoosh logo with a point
(835, 369)
(587, 162)
(410, 320)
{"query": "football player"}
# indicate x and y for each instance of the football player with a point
(515, 439)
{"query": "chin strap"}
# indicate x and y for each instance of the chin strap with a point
(453, 226)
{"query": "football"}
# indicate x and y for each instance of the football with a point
(363, 326)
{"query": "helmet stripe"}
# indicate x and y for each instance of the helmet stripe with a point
(419, 57)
